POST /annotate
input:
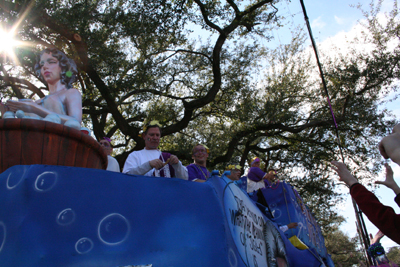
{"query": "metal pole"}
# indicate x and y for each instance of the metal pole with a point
(360, 220)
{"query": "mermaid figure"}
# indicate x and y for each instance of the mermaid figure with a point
(58, 72)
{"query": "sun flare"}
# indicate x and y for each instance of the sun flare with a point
(7, 42)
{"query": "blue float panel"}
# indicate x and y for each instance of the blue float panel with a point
(66, 216)
(287, 206)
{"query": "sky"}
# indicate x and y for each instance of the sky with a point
(331, 22)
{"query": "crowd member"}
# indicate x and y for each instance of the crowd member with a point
(108, 148)
(377, 252)
(383, 217)
(152, 162)
(197, 170)
(389, 146)
(59, 72)
(256, 178)
(234, 168)
(377, 238)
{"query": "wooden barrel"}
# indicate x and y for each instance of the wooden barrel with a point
(29, 141)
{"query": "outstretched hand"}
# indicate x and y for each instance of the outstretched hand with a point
(26, 106)
(344, 173)
(389, 181)
(378, 236)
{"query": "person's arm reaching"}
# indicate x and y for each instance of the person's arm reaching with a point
(383, 217)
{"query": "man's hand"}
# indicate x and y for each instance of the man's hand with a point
(343, 172)
(292, 225)
(156, 163)
(173, 160)
(389, 181)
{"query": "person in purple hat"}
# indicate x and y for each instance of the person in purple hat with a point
(198, 170)
(256, 178)
(150, 161)
(108, 148)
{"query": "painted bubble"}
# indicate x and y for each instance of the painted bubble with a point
(113, 229)
(46, 181)
(273, 205)
(83, 245)
(66, 217)
(3, 234)
(15, 177)
(277, 213)
(233, 262)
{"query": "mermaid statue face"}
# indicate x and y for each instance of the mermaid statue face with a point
(68, 69)
(50, 68)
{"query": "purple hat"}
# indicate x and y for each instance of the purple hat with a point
(107, 139)
(255, 160)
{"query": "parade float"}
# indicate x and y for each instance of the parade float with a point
(59, 207)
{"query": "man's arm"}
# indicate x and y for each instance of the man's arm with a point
(256, 174)
(181, 171)
(284, 228)
(144, 169)
(132, 166)
(344, 173)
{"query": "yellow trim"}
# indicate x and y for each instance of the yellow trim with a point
(297, 243)
(232, 167)
(152, 123)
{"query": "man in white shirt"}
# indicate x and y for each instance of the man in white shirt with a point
(107, 147)
(152, 162)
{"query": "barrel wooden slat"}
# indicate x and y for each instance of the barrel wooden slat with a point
(11, 149)
(82, 156)
(1, 145)
(93, 164)
(67, 144)
(50, 142)
(26, 141)
(31, 140)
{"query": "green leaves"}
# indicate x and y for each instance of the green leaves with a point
(344, 250)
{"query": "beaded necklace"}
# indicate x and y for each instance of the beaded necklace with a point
(205, 176)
